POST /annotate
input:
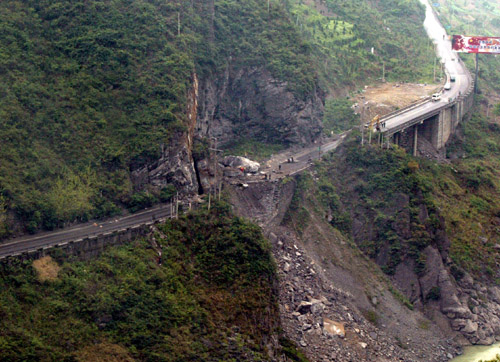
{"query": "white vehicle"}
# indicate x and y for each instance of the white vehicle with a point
(436, 97)
(447, 86)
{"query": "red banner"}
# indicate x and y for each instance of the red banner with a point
(476, 44)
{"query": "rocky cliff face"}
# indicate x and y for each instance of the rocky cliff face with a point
(175, 165)
(238, 105)
(428, 277)
(248, 103)
(381, 200)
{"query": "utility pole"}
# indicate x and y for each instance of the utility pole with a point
(177, 206)
(434, 68)
(477, 72)
(383, 71)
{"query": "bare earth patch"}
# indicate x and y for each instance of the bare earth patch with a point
(387, 97)
(46, 268)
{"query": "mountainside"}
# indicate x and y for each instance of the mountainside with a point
(92, 91)
(209, 297)
(103, 101)
(111, 106)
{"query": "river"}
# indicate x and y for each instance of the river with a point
(478, 353)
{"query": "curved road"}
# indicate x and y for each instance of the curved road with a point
(50, 239)
(453, 66)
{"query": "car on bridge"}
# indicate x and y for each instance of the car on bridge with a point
(436, 97)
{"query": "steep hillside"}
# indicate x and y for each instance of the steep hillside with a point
(99, 98)
(210, 297)
(431, 227)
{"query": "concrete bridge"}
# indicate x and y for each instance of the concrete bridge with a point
(434, 120)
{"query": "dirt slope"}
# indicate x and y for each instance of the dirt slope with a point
(324, 279)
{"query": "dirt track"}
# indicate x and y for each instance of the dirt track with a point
(387, 97)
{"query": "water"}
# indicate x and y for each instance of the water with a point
(477, 353)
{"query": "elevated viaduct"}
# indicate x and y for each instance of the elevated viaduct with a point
(434, 120)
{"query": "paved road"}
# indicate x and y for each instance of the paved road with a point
(453, 65)
(301, 160)
(47, 239)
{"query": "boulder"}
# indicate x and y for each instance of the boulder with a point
(238, 161)
(470, 327)
(494, 294)
(332, 328)
(304, 307)
(317, 307)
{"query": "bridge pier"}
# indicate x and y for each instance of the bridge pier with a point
(415, 140)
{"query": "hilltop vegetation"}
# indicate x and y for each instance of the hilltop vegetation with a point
(342, 34)
(211, 298)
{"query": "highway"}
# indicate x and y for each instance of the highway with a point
(49, 239)
(453, 66)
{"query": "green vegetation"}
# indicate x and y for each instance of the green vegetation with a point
(384, 191)
(88, 89)
(371, 316)
(289, 349)
(211, 298)
(339, 116)
(342, 34)
(496, 359)
(258, 151)
(297, 215)
(389, 190)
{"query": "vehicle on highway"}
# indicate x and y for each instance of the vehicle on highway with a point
(447, 86)
(453, 78)
(436, 97)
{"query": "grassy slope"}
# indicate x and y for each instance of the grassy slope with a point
(211, 299)
(343, 33)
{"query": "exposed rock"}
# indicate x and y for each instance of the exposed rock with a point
(332, 328)
(250, 103)
(175, 165)
(470, 327)
(245, 163)
(304, 307)
(317, 307)
(494, 294)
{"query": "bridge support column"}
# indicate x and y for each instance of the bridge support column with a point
(397, 138)
(415, 140)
